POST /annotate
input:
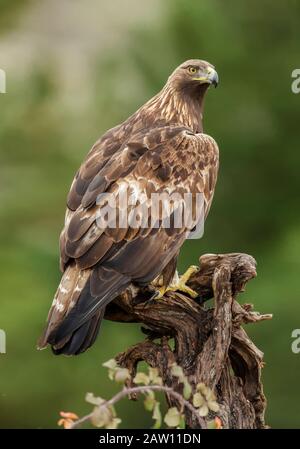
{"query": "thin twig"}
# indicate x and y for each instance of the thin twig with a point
(144, 389)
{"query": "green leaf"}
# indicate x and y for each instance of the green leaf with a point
(172, 417)
(121, 375)
(203, 389)
(187, 390)
(182, 422)
(95, 400)
(141, 378)
(111, 364)
(111, 374)
(149, 401)
(154, 376)
(213, 406)
(210, 396)
(198, 400)
(113, 424)
(101, 416)
(177, 371)
(157, 416)
(203, 410)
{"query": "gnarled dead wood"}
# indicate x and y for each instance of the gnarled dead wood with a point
(210, 344)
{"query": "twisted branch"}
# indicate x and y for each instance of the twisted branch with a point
(209, 343)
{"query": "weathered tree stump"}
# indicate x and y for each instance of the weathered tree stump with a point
(210, 344)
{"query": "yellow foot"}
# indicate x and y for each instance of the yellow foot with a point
(189, 272)
(180, 285)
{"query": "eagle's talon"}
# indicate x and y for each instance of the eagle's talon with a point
(181, 284)
(158, 294)
(161, 291)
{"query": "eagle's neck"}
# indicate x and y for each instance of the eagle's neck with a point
(176, 106)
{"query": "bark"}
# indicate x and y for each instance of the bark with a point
(210, 344)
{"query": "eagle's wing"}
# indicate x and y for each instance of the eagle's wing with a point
(103, 260)
(101, 152)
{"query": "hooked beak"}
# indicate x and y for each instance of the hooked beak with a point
(213, 77)
(210, 77)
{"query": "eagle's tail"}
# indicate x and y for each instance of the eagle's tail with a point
(75, 316)
(82, 338)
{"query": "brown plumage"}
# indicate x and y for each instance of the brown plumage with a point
(159, 148)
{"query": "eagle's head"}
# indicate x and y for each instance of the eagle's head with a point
(194, 75)
(181, 100)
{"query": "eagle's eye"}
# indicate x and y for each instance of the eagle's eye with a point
(192, 70)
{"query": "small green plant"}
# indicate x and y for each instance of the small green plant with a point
(199, 403)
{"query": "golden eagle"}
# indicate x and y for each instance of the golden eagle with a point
(161, 147)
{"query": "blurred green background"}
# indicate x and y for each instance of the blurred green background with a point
(75, 69)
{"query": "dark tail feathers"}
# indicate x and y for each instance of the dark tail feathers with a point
(73, 328)
(82, 338)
